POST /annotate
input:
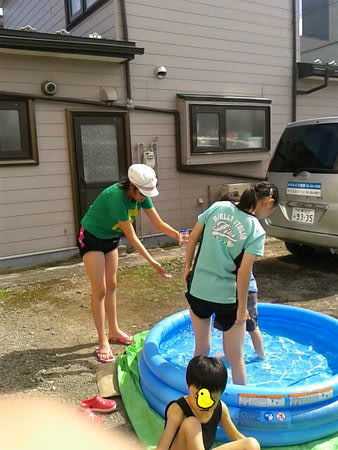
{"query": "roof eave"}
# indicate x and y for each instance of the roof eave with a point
(46, 43)
(307, 70)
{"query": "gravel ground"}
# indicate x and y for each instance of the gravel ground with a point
(47, 336)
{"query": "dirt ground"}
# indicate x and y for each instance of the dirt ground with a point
(47, 335)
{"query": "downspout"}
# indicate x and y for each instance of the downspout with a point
(294, 62)
(127, 63)
(318, 88)
(295, 91)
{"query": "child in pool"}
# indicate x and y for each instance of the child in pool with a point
(192, 420)
(218, 276)
(252, 321)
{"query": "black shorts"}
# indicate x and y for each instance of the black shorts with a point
(225, 314)
(251, 323)
(87, 242)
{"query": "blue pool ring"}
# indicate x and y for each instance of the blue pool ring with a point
(292, 415)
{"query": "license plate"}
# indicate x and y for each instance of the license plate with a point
(303, 215)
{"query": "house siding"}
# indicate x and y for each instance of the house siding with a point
(49, 16)
(44, 15)
(36, 202)
(208, 48)
(322, 103)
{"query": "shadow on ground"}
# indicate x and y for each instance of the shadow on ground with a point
(39, 367)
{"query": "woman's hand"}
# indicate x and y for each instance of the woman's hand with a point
(159, 269)
(186, 275)
(242, 314)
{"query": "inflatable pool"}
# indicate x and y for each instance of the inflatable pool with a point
(291, 397)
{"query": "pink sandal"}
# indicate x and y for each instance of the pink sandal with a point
(100, 356)
(123, 341)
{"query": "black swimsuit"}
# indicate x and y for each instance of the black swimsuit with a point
(208, 429)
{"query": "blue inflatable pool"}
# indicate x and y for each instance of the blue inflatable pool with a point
(290, 398)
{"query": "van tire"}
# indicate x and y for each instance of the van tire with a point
(299, 249)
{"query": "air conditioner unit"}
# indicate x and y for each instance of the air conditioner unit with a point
(234, 188)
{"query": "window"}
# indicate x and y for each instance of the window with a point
(229, 128)
(76, 10)
(17, 133)
(315, 18)
(310, 147)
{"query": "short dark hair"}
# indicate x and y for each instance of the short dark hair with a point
(207, 372)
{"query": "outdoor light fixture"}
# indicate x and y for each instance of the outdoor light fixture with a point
(160, 72)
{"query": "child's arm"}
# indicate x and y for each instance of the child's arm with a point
(243, 281)
(192, 242)
(228, 425)
(175, 417)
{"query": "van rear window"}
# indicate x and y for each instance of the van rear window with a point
(311, 147)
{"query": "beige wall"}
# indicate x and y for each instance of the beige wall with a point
(323, 103)
(36, 206)
(233, 48)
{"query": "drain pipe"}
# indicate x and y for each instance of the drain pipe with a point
(127, 63)
(294, 63)
(321, 86)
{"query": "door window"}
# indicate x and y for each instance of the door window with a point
(100, 152)
(101, 156)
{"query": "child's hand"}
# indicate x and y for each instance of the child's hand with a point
(242, 314)
(157, 266)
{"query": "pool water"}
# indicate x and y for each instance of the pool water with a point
(289, 359)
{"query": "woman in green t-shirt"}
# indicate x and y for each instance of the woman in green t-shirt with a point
(110, 216)
(218, 282)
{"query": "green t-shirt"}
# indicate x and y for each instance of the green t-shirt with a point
(109, 208)
(228, 232)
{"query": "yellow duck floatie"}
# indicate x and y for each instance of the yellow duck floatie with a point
(204, 399)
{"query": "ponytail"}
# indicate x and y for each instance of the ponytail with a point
(250, 197)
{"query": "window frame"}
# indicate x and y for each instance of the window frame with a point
(222, 111)
(29, 149)
(74, 19)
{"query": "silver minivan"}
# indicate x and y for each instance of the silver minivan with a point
(305, 170)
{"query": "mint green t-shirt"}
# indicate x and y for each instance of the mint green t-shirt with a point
(228, 232)
(109, 208)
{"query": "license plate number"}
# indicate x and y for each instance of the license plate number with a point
(303, 215)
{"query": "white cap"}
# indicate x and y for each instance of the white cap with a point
(144, 178)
